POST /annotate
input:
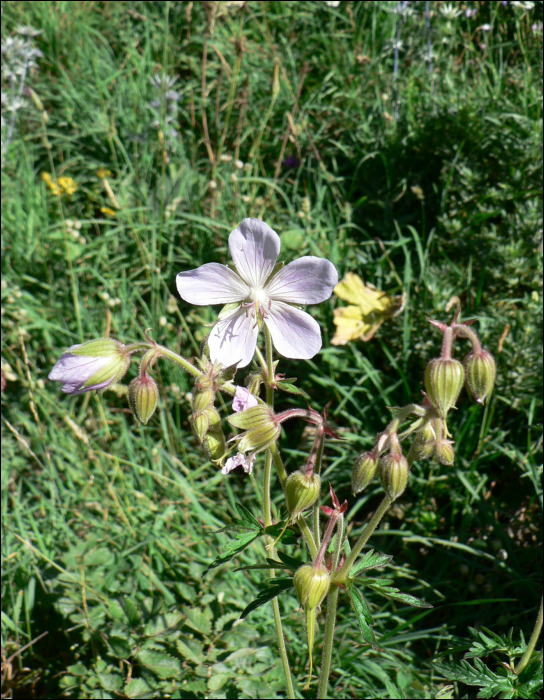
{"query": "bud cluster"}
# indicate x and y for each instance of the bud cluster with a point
(205, 419)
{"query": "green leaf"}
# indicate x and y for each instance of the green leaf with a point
(292, 389)
(290, 561)
(233, 548)
(137, 688)
(199, 620)
(276, 587)
(161, 663)
(111, 681)
(371, 560)
(189, 653)
(479, 674)
(363, 616)
(247, 517)
(132, 612)
(395, 594)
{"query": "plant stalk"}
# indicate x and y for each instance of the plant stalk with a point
(532, 643)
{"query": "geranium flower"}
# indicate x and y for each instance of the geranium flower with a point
(260, 293)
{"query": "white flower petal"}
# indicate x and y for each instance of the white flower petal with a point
(239, 460)
(243, 399)
(295, 333)
(254, 247)
(211, 284)
(308, 280)
(233, 338)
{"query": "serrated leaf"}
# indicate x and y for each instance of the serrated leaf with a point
(132, 612)
(111, 681)
(395, 594)
(479, 674)
(198, 620)
(236, 546)
(363, 616)
(290, 561)
(189, 653)
(274, 589)
(371, 560)
(292, 389)
(275, 531)
(137, 688)
(161, 663)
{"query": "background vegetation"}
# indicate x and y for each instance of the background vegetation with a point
(420, 176)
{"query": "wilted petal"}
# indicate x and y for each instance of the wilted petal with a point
(295, 333)
(254, 247)
(243, 399)
(308, 280)
(239, 460)
(211, 284)
(233, 338)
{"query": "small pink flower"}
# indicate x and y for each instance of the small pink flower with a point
(243, 399)
(260, 296)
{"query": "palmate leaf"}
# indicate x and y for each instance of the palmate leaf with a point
(291, 388)
(236, 546)
(271, 589)
(371, 560)
(479, 674)
(363, 615)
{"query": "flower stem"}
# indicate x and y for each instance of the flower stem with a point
(179, 360)
(532, 643)
(332, 604)
(316, 511)
(268, 514)
(342, 576)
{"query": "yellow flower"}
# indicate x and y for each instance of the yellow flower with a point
(371, 309)
(102, 173)
(68, 185)
(107, 211)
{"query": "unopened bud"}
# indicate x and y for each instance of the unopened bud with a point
(202, 399)
(301, 492)
(214, 444)
(394, 472)
(426, 440)
(143, 394)
(480, 370)
(443, 381)
(311, 585)
(261, 428)
(205, 420)
(364, 470)
(445, 452)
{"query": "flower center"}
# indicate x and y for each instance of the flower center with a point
(257, 295)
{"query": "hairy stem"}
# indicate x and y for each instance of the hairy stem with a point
(332, 603)
(342, 576)
(532, 643)
(268, 515)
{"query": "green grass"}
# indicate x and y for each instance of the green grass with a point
(107, 527)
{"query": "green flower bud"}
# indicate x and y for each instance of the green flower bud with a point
(364, 470)
(311, 585)
(214, 444)
(208, 419)
(443, 381)
(445, 452)
(426, 440)
(301, 492)
(143, 394)
(394, 472)
(202, 399)
(260, 426)
(480, 370)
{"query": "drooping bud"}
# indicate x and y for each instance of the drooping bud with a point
(364, 470)
(312, 585)
(480, 371)
(301, 492)
(143, 394)
(93, 365)
(445, 452)
(202, 399)
(426, 440)
(443, 381)
(261, 428)
(394, 470)
(205, 420)
(214, 443)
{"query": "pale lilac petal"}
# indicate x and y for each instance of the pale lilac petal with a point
(254, 247)
(239, 460)
(211, 284)
(76, 369)
(233, 338)
(243, 399)
(295, 333)
(308, 280)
